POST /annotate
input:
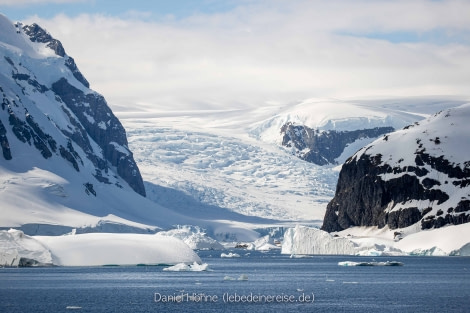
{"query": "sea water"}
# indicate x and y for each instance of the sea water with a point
(255, 281)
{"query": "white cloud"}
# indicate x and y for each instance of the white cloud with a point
(269, 50)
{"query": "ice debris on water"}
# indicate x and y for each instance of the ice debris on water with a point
(229, 255)
(241, 277)
(373, 263)
(183, 267)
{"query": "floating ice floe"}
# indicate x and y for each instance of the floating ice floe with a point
(241, 277)
(73, 307)
(183, 267)
(373, 263)
(229, 255)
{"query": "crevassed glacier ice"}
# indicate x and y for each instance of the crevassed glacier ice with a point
(306, 240)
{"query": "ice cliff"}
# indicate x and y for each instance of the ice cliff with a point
(303, 240)
(94, 249)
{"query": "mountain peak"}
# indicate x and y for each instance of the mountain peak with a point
(48, 105)
(38, 34)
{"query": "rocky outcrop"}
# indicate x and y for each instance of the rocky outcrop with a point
(4, 142)
(323, 146)
(104, 128)
(363, 198)
(400, 181)
(37, 34)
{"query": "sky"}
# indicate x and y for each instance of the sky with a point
(218, 54)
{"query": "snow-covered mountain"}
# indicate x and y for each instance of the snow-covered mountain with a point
(327, 131)
(416, 177)
(65, 159)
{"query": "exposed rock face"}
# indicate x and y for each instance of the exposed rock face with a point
(409, 177)
(37, 34)
(324, 147)
(4, 142)
(104, 128)
(59, 115)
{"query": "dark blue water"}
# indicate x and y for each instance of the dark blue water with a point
(275, 283)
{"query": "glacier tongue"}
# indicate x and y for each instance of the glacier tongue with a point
(305, 240)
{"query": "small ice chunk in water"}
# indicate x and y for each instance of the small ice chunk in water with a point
(229, 255)
(243, 277)
(183, 267)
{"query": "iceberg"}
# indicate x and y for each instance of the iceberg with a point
(95, 249)
(92, 249)
(18, 249)
(303, 240)
(264, 243)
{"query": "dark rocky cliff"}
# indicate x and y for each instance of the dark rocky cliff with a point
(323, 147)
(406, 178)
